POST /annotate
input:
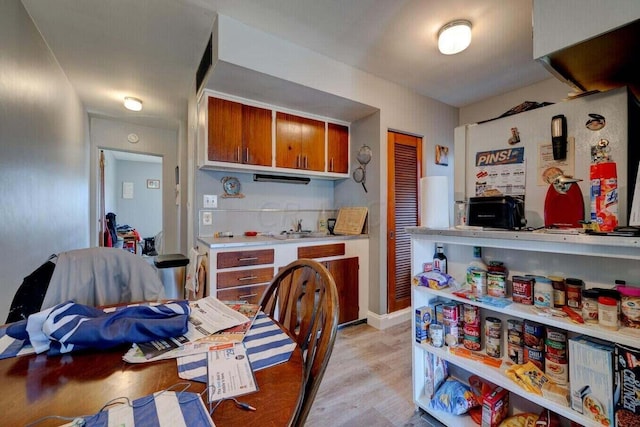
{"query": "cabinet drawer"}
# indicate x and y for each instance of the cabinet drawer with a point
(242, 258)
(244, 277)
(321, 251)
(250, 294)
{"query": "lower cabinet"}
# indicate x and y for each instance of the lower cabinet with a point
(345, 274)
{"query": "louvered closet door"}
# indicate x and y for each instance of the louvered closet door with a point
(405, 160)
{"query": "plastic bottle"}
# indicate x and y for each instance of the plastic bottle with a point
(322, 222)
(439, 259)
(476, 264)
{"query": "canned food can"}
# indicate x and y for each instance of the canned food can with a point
(533, 335)
(450, 312)
(557, 371)
(471, 337)
(496, 284)
(479, 278)
(522, 289)
(493, 336)
(471, 314)
(516, 353)
(535, 356)
(515, 332)
(556, 335)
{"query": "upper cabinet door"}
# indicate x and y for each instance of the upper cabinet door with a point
(299, 142)
(256, 136)
(225, 131)
(337, 148)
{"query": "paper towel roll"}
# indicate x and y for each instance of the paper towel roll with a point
(434, 202)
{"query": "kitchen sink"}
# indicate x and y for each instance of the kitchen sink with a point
(302, 234)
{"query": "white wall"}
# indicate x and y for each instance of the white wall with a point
(43, 155)
(399, 109)
(144, 211)
(550, 90)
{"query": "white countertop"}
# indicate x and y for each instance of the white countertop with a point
(239, 241)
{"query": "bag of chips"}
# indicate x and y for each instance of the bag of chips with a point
(453, 397)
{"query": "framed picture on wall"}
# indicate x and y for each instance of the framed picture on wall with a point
(154, 184)
(442, 155)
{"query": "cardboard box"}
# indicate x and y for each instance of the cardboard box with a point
(628, 377)
(436, 371)
(495, 407)
(423, 320)
(591, 378)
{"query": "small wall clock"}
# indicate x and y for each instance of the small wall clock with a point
(231, 187)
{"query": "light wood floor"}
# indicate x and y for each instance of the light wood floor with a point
(368, 380)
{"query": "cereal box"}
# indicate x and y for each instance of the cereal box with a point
(628, 377)
(591, 378)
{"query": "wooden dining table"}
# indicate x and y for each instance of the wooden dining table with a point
(36, 386)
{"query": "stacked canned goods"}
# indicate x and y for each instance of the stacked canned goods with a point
(497, 279)
(534, 343)
(515, 341)
(450, 318)
(471, 327)
(493, 336)
(556, 360)
(522, 291)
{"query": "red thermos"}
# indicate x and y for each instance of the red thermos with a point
(604, 195)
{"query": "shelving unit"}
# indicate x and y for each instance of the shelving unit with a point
(598, 259)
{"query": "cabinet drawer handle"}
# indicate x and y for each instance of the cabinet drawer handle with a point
(247, 155)
(247, 278)
(298, 161)
(252, 258)
(247, 296)
(238, 155)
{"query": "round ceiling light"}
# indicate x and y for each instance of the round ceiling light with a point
(454, 37)
(133, 104)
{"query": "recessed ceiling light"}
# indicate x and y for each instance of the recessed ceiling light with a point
(133, 138)
(133, 104)
(454, 37)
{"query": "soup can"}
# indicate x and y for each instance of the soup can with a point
(515, 332)
(471, 314)
(522, 289)
(496, 284)
(471, 337)
(493, 336)
(516, 353)
(556, 369)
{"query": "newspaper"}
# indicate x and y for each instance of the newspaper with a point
(208, 316)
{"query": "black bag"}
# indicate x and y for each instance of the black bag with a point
(29, 296)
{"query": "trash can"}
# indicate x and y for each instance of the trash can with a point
(173, 273)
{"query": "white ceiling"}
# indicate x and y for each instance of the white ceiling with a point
(151, 48)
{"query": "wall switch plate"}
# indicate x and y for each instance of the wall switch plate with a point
(210, 201)
(207, 218)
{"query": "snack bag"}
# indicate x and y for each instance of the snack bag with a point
(453, 397)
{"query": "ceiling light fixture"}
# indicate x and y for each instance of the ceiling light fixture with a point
(133, 104)
(454, 37)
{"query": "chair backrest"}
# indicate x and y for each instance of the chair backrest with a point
(303, 298)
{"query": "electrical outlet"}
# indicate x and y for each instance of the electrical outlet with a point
(210, 201)
(207, 218)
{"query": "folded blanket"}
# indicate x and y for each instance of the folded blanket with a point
(71, 327)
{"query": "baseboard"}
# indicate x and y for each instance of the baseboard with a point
(384, 321)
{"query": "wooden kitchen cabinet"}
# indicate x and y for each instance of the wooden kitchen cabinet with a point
(300, 142)
(240, 275)
(337, 148)
(345, 274)
(238, 133)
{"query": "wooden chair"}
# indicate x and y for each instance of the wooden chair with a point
(303, 298)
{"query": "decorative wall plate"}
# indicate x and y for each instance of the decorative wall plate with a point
(231, 187)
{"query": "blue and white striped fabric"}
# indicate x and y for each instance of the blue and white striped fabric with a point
(70, 327)
(266, 344)
(162, 409)
(12, 347)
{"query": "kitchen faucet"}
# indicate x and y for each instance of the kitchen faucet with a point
(299, 225)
